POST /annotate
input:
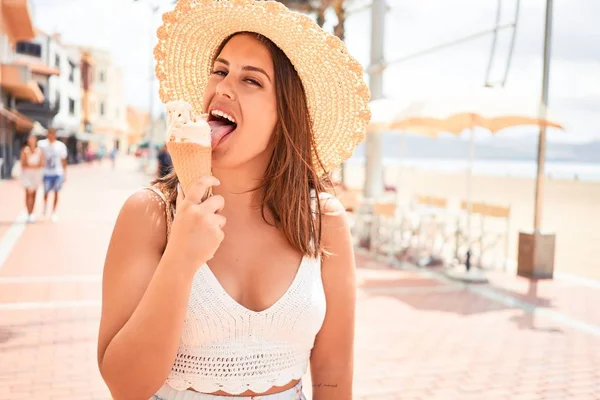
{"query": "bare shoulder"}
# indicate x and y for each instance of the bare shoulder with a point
(332, 210)
(331, 206)
(334, 223)
(143, 216)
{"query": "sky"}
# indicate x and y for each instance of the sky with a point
(127, 28)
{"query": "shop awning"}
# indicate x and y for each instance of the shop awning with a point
(17, 20)
(22, 123)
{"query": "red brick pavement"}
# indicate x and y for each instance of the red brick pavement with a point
(417, 337)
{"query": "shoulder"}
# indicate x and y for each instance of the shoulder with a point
(143, 215)
(331, 205)
(334, 223)
(332, 211)
(143, 202)
(43, 143)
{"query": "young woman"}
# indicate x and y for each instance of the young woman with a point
(32, 164)
(234, 296)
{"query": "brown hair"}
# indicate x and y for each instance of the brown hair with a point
(291, 183)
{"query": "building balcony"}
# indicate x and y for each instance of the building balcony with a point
(16, 80)
(43, 112)
(16, 19)
(38, 68)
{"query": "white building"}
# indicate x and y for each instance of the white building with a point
(109, 96)
(65, 89)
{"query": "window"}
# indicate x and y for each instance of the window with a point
(71, 72)
(71, 107)
(57, 61)
(102, 108)
(29, 48)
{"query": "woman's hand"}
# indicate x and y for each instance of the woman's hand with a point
(197, 232)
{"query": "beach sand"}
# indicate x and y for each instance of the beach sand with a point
(571, 208)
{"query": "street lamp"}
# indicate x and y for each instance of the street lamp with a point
(150, 134)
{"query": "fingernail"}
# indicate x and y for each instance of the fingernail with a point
(218, 182)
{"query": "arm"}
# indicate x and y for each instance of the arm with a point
(23, 159)
(144, 301)
(63, 160)
(332, 358)
(42, 159)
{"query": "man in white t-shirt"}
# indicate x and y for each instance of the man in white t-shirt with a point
(55, 168)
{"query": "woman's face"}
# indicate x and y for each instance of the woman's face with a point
(241, 88)
(32, 141)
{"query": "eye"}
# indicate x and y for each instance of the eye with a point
(220, 72)
(253, 82)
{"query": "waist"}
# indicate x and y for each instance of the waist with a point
(166, 392)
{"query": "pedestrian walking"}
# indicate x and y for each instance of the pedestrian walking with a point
(55, 169)
(32, 164)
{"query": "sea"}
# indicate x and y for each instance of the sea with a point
(515, 168)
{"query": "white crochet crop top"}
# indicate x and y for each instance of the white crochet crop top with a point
(225, 346)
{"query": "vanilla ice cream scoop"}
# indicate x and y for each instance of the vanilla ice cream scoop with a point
(183, 126)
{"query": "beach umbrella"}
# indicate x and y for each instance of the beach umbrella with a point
(386, 116)
(466, 109)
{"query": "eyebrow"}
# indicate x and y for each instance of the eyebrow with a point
(246, 68)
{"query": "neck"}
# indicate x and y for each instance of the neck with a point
(239, 189)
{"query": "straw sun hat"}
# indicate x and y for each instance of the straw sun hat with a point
(337, 96)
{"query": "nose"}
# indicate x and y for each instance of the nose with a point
(225, 89)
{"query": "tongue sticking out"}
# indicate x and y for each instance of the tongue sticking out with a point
(219, 129)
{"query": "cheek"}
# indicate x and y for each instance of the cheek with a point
(208, 95)
(263, 118)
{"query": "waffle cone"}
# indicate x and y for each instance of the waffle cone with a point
(191, 162)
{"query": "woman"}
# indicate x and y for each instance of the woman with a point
(32, 164)
(233, 297)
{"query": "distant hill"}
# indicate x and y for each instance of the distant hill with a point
(497, 148)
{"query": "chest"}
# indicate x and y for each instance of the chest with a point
(255, 265)
(214, 316)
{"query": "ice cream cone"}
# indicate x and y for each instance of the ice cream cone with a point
(189, 145)
(191, 162)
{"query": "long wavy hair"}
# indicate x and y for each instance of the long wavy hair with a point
(291, 184)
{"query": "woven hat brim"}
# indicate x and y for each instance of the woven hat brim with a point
(337, 95)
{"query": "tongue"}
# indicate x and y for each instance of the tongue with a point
(218, 130)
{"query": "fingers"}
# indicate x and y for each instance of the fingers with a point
(220, 220)
(214, 204)
(198, 190)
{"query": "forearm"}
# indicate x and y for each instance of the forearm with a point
(139, 357)
(332, 382)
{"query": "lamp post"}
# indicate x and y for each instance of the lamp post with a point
(150, 133)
